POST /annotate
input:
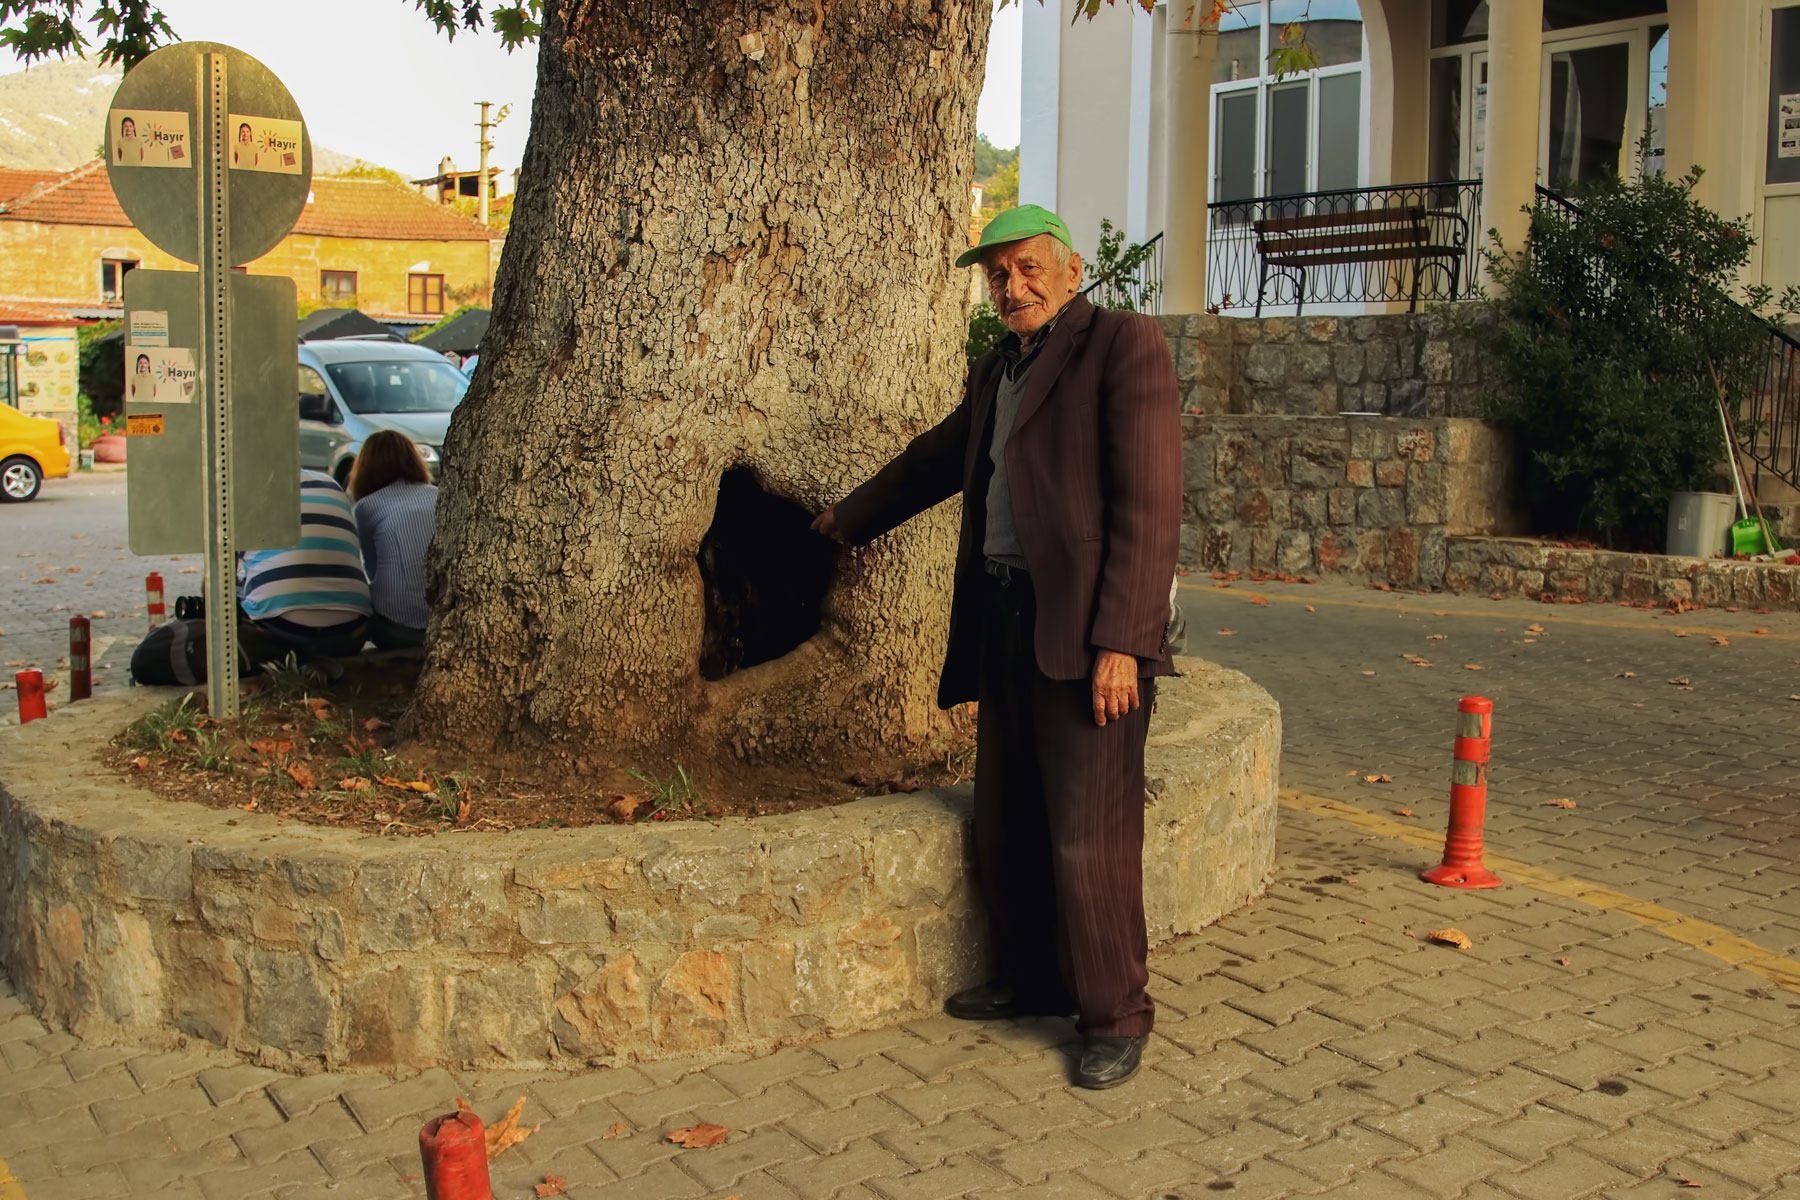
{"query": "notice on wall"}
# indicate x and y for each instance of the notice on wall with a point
(1788, 136)
(143, 425)
(265, 144)
(49, 365)
(145, 137)
(160, 375)
(148, 327)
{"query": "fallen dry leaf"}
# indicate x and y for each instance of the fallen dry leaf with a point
(355, 783)
(1794, 697)
(1436, 637)
(141, 762)
(1534, 629)
(1416, 661)
(373, 723)
(271, 748)
(1368, 672)
(1378, 779)
(506, 1131)
(617, 1130)
(553, 1185)
(1682, 633)
(1684, 1181)
(1452, 937)
(300, 774)
(1759, 631)
(1473, 667)
(624, 807)
(1255, 599)
(1682, 682)
(1564, 960)
(405, 785)
(1563, 803)
(1227, 632)
(1718, 640)
(1626, 675)
(46, 579)
(698, 1137)
(1309, 608)
(320, 707)
(1403, 812)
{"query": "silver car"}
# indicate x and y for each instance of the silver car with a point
(350, 387)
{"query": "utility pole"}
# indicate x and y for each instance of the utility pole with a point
(484, 125)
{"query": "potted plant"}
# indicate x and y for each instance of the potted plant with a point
(109, 446)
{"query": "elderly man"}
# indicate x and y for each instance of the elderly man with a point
(1066, 450)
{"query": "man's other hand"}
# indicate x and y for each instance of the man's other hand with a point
(826, 523)
(1115, 686)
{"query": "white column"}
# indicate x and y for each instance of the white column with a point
(1040, 102)
(1137, 175)
(1515, 78)
(1188, 55)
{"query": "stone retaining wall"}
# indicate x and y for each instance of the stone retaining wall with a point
(1534, 570)
(1374, 498)
(127, 918)
(1427, 364)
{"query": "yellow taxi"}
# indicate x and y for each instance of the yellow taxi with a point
(31, 451)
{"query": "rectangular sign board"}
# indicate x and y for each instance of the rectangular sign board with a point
(167, 491)
(144, 137)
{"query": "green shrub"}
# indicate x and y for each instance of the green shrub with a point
(985, 330)
(1606, 338)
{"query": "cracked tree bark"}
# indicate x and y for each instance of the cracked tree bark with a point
(718, 258)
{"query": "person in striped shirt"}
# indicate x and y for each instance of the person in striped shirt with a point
(396, 509)
(313, 596)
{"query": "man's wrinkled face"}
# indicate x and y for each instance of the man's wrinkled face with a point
(1027, 282)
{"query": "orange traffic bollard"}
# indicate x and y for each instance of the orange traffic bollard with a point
(153, 594)
(31, 696)
(1462, 867)
(81, 668)
(453, 1149)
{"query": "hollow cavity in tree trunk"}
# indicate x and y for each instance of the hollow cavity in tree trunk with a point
(765, 573)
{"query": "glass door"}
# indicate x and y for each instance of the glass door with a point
(1588, 124)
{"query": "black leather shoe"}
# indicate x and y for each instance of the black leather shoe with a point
(1109, 1061)
(993, 1001)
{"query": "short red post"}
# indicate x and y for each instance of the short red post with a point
(1462, 866)
(153, 592)
(453, 1150)
(81, 668)
(31, 696)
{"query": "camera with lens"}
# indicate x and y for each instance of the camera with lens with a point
(190, 608)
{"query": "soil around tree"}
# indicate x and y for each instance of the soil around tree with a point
(332, 754)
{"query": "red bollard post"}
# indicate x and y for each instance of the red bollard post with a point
(81, 669)
(1462, 866)
(453, 1150)
(153, 592)
(31, 696)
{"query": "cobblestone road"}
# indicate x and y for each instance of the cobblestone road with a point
(1626, 1023)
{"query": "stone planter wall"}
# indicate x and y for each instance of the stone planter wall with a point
(1373, 498)
(129, 918)
(1536, 571)
(1426, 364)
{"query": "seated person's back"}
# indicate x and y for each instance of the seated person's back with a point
(396, 510)
(314, 591)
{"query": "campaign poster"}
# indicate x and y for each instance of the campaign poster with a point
(264, 144)
(1788, 144)
(143, 137)
(160, 375)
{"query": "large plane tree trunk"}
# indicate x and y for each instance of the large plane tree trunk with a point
(727, 297)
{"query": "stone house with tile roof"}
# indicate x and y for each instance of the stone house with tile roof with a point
(66, 245)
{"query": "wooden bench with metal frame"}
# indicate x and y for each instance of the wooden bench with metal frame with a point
(1293, 245)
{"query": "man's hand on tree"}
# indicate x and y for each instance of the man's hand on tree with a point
(1115, 686)
(826, 523)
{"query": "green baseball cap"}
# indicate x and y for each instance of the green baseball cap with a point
(1015, 225)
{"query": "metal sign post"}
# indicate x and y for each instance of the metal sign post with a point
(210, 159)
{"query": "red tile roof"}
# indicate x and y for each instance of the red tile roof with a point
(43, 312)
(15, 182)
(346, 208)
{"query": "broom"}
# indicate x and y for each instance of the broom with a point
(1753, 538)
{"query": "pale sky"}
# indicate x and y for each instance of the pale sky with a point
(375, 82)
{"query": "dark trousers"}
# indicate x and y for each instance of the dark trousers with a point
(1059, 828)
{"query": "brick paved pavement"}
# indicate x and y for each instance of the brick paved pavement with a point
(1313, 1044)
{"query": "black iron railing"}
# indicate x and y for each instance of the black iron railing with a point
(1408, 243)
(1139, 288)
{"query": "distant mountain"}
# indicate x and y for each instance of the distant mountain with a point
(53, 117)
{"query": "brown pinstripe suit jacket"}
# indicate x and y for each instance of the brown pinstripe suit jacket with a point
(1094, 464)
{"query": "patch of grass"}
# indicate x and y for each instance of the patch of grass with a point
(291, 679)
(209, 755)
(678, 794)
(167, 726)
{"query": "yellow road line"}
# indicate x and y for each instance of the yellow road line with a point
(1558, 613)
(10, 1187)
(1707, 938)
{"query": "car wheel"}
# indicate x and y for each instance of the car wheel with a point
(20, 478)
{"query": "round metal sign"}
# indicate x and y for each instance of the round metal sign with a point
(156, 137)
